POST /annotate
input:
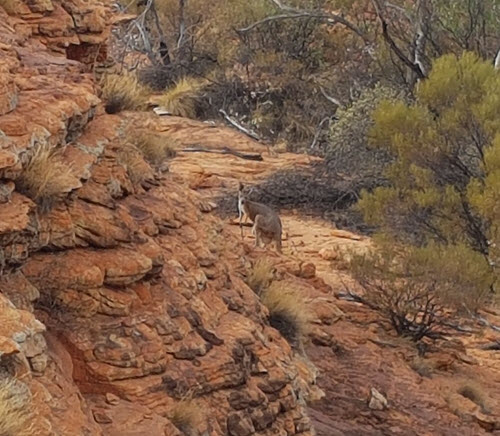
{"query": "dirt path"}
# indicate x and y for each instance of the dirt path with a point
(354, 350)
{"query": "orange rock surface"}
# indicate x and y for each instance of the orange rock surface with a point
(123, 300)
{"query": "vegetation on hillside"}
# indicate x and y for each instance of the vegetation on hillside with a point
(401, 99)
(46, 178)
(283, 68)
(439, 210)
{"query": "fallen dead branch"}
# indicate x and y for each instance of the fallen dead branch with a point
(238, 126)
(225, 150)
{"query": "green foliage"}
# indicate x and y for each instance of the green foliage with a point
(349, 153)
(485, 198)
(445, 177)
(439, 143)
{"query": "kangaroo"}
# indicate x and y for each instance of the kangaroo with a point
(266, 222)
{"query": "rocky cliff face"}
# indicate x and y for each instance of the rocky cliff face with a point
(122, 300)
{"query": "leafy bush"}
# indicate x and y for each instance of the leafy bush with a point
(349, 156)
(155, 148)
(444, 177)
(288, 312)
(260, 275)
(46, 177)
(181, 99)
(123, 92)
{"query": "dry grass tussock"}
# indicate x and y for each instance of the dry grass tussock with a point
(289, 312)
(137, 169)
(187, 416)
(10, 6)
(260, 276)
(16, 412)
(422, 367)
(123, 92)
(475, 393)
(46, 177)
(154, 147)
(180, 100)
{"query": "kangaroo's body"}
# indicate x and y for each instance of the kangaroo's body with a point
(266, 222)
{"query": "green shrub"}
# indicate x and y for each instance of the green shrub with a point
(444, 178)
(349, 155)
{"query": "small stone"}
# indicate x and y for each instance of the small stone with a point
(112, 399)
(377, 400)
(19, 337)
(489, 423)
(240, 425)
(101, 417)
(38, 363)
(328, 254)
(308, 270)
(344, 234)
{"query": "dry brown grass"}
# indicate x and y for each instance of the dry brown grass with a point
(10, 6)
(16, 412)
(289, 312)
(123, 92)
(260, 276)
(187, 416)
(181, 99)
(422, 367)
(137, 169)
(155, 148)
(46, 177)
(473, 392)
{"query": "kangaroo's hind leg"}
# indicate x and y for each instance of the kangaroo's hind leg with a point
(256, 230)
(278, 244)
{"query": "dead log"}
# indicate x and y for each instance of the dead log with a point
(225, 150)
(238, 126)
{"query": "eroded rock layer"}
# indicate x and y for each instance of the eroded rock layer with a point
(121, 300)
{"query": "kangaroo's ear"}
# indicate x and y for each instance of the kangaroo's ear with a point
(240, 186)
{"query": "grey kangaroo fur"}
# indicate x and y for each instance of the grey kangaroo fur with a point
(266, 222)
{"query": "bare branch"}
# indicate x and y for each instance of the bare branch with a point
(318, 132)
(294, 13)
(273, 18)
(224, 150)
(234, 123)
(329, 97)
(182, 23)
(392, 44)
